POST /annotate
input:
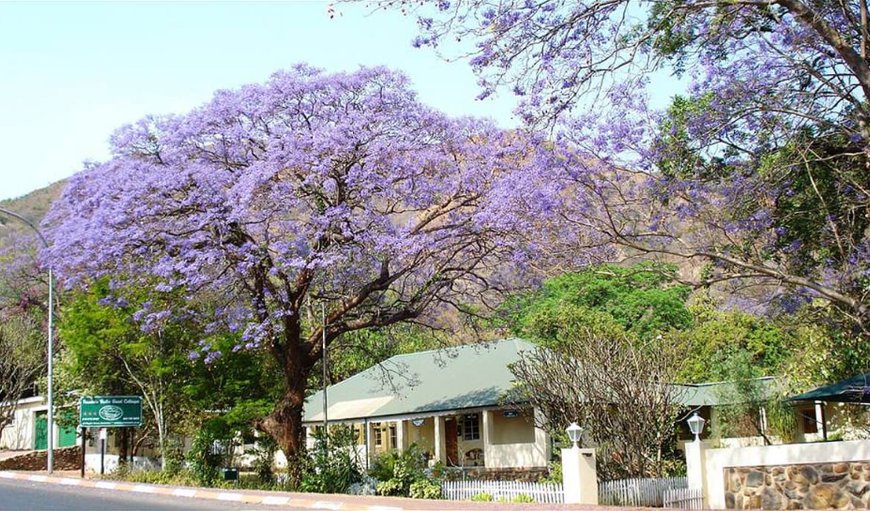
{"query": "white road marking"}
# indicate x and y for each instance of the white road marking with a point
(384, 508)
(327, 505)
(235, 497)
(106, 485)
(141, 488)
(184, 492)
(275, 501)
(7, 475)
(38, 479)
(70, 482)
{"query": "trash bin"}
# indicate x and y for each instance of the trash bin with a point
(230, 473)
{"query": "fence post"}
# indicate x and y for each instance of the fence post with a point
(696, 468)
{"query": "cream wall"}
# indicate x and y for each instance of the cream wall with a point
(19, 436)
(509, 444)
(716, 460)
(423, 435)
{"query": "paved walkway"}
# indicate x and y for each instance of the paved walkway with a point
(297, 500)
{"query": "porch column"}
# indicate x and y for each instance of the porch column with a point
(542, 438)
(488, 425)
(400, 435)
(309, 437)
(370, 442)
(440, 440)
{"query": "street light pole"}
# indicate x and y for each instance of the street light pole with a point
(50, 432)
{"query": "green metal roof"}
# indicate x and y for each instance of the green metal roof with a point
(457, 378)
(469, 376)
(721, 393)
(851, 390)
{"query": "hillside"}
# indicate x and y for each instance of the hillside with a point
(32, 206)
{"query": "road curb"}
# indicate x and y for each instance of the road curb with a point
(320, 502)
(315, 501)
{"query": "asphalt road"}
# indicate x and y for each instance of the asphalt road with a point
(30, 496)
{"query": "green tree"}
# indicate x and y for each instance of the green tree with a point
(643, 300)
(108, 352)
(718, 341)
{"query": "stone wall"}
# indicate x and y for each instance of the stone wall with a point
(843, 485)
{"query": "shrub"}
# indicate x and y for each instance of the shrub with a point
(424, 489)
(522, 498)
(554, 473)
(482, 497)
(333, 469)
(397, 471)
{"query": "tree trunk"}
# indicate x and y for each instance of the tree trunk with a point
(123, 450)
(284, 424)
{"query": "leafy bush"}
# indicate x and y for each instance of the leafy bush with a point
(333, 468)
(424, 489)
(206, 460)
(264, 456)
(482, 497)
(390, 488)
(522, 498)
(554, 474)
(180, 477)
(397, 471)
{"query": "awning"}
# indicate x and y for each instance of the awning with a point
(852, 390)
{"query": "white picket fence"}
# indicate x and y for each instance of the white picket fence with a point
(684, 498)
(547, 493)
(638, 492)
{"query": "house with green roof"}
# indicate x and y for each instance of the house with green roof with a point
(448, 402)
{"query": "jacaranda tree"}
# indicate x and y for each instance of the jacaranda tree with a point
(759, 167)
(312, 189)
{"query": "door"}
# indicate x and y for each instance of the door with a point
(40, 436)
(66, 437)
(450, 441)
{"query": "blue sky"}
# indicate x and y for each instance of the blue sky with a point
(73, 72)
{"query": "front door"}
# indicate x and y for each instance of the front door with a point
(40, 437)
(450, 441)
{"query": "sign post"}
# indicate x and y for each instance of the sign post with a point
(108, 412)
(84, 433)
(104, 434)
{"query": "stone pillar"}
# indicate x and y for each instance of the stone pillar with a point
(440, 440)
(696, 467)
(579, 477)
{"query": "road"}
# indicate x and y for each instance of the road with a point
(30, 496)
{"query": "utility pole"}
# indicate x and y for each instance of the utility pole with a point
(50, 432)
(324, 361)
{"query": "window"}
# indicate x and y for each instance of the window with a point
(471, 427)
(379, 433)
(808, 418)
(393, 438)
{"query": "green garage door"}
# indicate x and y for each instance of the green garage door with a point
(40, 437)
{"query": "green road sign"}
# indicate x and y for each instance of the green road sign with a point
(110, 411)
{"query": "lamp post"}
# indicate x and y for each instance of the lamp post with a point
(574, 433)
(50, 432)
(696, 425)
